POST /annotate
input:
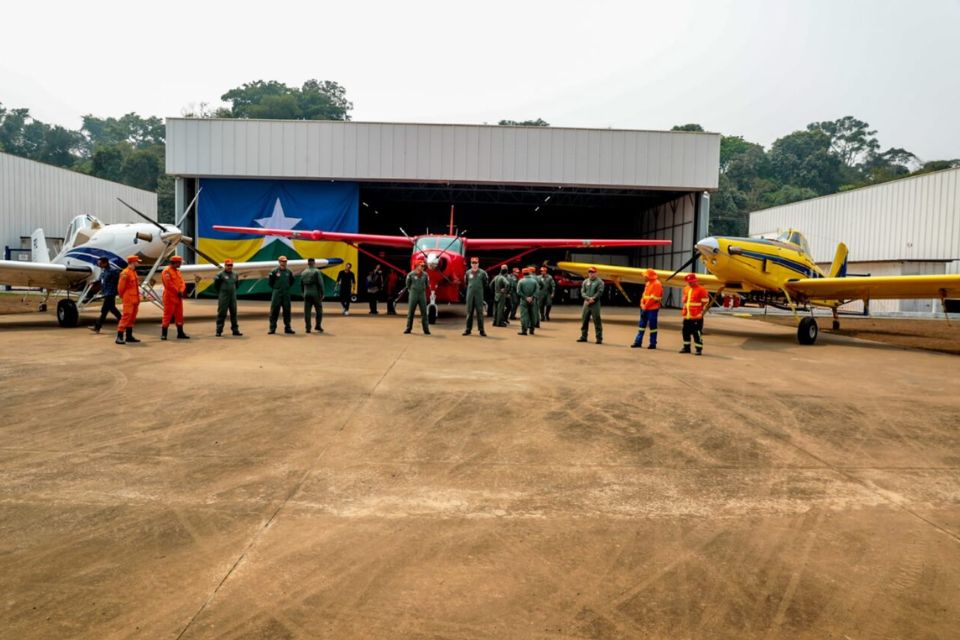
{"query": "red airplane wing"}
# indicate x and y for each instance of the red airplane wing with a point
(334, 236)
(486, 244)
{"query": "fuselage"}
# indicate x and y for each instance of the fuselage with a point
(445, 262)
(88, 240)
(757, 263)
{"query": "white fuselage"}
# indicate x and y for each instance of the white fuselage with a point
(117, 241)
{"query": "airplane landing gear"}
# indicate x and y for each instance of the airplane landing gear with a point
(836, 325)
(67, 314)
(42, 307)
(807, 331)
(432, 314)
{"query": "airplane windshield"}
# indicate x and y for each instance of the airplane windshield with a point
(77, 224)
(795, 237)
(447, 243)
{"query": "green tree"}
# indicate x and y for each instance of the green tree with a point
(851, 140)
(315, 100)
(805, 159)
(539, 122)
(686, 127)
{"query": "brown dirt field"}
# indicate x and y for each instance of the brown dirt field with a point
(368, 484)
(917, 333)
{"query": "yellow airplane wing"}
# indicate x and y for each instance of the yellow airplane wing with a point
(638, 276)
(870, 288)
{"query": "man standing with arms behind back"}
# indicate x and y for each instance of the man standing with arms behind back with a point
(225, 284)
(311, 283)
(501, 293)
(590, 291)
(281, 281)
(417, 283)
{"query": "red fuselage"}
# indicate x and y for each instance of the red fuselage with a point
(445, 263)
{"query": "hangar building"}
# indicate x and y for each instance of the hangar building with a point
(501, 181)
(909, 226)
(36, 195)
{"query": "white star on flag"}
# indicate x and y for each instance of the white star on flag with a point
(277, 220)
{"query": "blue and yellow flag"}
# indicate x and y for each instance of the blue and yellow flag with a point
(276, 204)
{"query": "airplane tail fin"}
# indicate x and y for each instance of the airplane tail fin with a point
(38, 247)
(839, 267)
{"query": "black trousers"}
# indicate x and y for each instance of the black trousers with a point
(109, 306)
(693, 329)
(345, 301)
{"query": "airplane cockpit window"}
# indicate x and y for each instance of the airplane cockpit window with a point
(795, 237)
(434, 242)
(79, 230)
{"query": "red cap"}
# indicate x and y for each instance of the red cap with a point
(651, 274)
(420, 262)
(690, 277)
(133, 258)
(176, 259)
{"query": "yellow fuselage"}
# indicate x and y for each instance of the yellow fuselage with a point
(756, 264)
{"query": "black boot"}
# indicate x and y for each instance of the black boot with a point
(163, 332)
(130, 337)
(685, 350)
(236, 332)
(119, 339)
(180, 334)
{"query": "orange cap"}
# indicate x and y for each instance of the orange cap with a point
(228, 261)
(690, 277)
(133, 258)
(592, 270)
(651, 274)
(176, 259)
(420, 262)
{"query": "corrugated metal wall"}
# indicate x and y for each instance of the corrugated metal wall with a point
(442, 153)
(33, 194)
(914, 218)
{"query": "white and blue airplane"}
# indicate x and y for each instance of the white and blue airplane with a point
(75, 271)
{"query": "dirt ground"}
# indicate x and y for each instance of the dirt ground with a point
(368, 484)
(933, 334)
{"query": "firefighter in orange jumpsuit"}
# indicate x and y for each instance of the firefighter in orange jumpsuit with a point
(174, 290)
(693, 304)
(128, 286)
(649, 310)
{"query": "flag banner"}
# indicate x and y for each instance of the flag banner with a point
(276, 204)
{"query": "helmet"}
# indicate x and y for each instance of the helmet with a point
(651, 274)
(690, 277)
(177, 259)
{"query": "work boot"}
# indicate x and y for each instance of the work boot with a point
(466, 333)
(426, 332)
(130, 337)
(483, 334)
(119, 339)
(219, 332)
(318, 329)
(271, 332)
(582, 339)
(236, 332)
(636, 345)
(308, 329)
(95, 328)
(163, 333)
(653, 346)
(599, 340)
(288, 330)
(408, 330)
(521, 333)
(698, 353)
(180, 334)
(685, 350)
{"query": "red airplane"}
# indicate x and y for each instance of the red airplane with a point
(443, 255)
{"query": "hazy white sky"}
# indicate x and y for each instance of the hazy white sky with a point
(755, 68)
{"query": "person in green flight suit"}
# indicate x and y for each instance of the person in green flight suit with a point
(281, 281)
(417, 284)
(501, 293)
(476, 285)
(225, 284)
(590, 291)
(311, 283)
(514, 296)
(550, 287)
(527, 289)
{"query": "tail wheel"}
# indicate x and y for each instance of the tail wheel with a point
(807, 331)
(836, 325)
(67, 314)
(432, 314)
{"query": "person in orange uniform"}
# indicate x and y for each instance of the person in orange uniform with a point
(128, 286)
(649, 310)
(174, 291)
(694, 303)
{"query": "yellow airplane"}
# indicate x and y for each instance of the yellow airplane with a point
(780, 273)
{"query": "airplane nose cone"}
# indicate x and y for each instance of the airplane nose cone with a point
(708, 246)
(433, 260)
(171, 235)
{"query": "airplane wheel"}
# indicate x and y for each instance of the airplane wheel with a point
(67, 314)
(42, 307)
(432, 314)
(807, 331)
(836, 325)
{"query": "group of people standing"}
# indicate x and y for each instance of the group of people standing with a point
(525, 291)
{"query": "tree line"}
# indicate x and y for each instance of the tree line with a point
(824, 158)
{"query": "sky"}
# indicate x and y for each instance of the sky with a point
(760, 69)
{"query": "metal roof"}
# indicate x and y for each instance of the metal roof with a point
(469, 154)
(914, 218)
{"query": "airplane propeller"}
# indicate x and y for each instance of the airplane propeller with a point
(187, 240)
(686, 264)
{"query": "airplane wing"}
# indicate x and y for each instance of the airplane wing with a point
(335, 236)
(876, 288)
(638, 275)
(248, 270)
(42, 275)
(486, 244)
